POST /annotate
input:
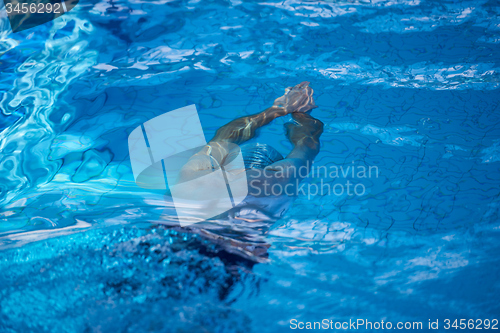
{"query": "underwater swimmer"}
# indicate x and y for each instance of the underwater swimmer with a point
(265, 167)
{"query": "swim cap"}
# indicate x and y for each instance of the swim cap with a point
(258, 155)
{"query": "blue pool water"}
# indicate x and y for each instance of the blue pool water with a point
(410, 87)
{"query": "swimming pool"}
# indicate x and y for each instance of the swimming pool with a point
(408, 87)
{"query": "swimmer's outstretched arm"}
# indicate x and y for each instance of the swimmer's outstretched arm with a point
(244, 128)
(239, 130)
(297, 99)
(304, 135)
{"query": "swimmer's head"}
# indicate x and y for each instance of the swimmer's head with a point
(257, 155)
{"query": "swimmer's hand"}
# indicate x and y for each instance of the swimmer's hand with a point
(198, 165)
(296, 99)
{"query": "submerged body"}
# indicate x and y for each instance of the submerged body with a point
(264, 166)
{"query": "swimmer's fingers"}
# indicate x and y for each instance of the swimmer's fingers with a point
(305, 102)
(297, 99)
